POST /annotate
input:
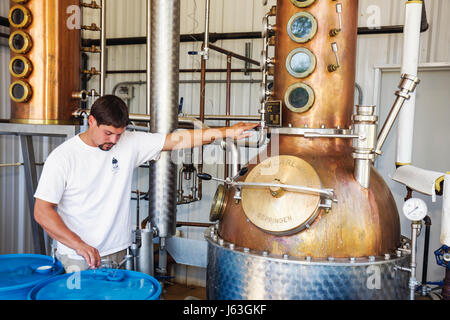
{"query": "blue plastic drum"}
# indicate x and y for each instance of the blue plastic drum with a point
(19, 273)
(99, 284)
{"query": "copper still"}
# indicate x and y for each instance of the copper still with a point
(45, 61)
(276, 242)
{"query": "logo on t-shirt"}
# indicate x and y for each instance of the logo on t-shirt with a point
(115, 165)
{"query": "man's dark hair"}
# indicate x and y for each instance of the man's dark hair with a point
(110, 110)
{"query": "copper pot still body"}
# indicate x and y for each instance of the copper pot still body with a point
(45, 60)
(314, 94)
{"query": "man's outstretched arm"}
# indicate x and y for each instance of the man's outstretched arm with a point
(185, 139)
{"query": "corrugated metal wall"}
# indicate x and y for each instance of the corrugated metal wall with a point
(127, 19)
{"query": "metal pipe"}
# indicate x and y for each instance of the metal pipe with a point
(427, 221)
(205, 51)
(145, 260)
(162, 261)
(214, 37)
(5, 165)
(244, 70)
(365, 129)
(4, 22)
(234, 55)
(228, 106)
(228, 101)
(103, 48)
(446, 285)
(194, 224)
(164, 88)
(410, 62)
(202, 119)
(230, 146)
(415, 228)
(84, 77)
(194, 37)
(250, 81)
(360, 94)
(185, 118)
(407, 85)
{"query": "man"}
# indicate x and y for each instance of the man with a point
(83, 195)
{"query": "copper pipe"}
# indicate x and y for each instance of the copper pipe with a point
(182, 224)
(194, 224)
(228, 104)
(202, 119)
(228, 108)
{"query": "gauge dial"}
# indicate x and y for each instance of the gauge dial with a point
(415, 209)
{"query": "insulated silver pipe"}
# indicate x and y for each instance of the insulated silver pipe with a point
(103, 48)
(164, 80)
(230, 146)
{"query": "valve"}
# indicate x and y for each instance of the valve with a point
(334, 32)
(334, 67)
(443, 256)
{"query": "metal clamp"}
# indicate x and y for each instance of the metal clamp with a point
(364, 125)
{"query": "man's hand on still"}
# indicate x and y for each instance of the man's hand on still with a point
(238, 131)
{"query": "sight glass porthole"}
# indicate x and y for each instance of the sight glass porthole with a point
(20, 67)
(301, 62)
(299, 97)
(302, 27)
(19, 17)
(20, 91)
(20, 42)
(303, 3)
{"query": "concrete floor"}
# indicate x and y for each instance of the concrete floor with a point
(175, 291)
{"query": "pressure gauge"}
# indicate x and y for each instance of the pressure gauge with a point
(415, 209)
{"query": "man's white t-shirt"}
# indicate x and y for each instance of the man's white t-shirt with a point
(92, 188)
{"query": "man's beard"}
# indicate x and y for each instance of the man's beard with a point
(106, 146)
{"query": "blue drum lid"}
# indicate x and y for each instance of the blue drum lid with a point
(24, 270)
(100, 284)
